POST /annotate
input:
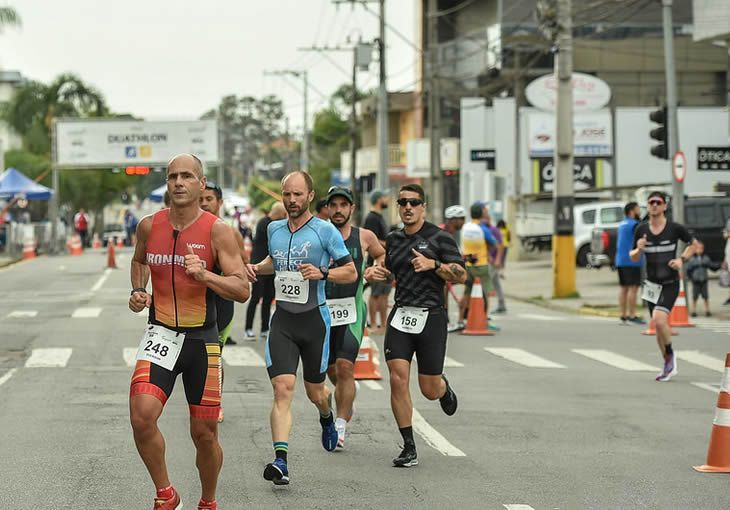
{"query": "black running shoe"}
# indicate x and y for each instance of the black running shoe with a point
(407, 457)
(449, 402)
(231, 341)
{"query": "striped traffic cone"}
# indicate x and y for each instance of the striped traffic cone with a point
(680, 315)
(718, 454)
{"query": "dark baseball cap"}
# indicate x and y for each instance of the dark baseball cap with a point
(338, 191)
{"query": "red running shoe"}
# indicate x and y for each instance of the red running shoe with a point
(207, 505)
(173, 503)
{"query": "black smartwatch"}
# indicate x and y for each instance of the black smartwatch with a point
(325, 272)
(138, 289)
(437, 266)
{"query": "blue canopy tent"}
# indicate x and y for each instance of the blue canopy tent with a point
(13, 182)
(158, 194)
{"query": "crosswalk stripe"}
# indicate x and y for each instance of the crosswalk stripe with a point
(537, 316)
(86, 313)
(130, 354)
(615, 360)
(48, 357)
(237, 356)
(703, 360)
(373, 385)
(452, 363)
(522, 357)
(22, 314)
(708, 387)
(518, 507)
(433, 437)
(7, 375)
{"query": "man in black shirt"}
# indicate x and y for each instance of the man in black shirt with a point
(658, 239)
(263, 287)
(379, 291)
(422, 257)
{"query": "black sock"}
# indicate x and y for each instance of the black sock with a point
(407, 433)
(669, 350)
(326, 420)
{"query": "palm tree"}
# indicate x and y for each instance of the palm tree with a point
(9, 17)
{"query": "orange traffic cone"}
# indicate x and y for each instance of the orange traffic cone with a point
(680, 316)
(718, 454)
(29, 249)
(96, 242)
(368, 359)
(120, 242)
(111, 261)
(476, 320)
(74, 245)
(651, 330)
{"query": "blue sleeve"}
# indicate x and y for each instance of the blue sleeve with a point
(335, 244)
(488, 234)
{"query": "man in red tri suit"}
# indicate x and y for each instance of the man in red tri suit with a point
(179, 247)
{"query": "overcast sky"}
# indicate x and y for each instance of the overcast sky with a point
(176, 59)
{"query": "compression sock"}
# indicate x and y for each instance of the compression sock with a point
(166, 493)
(407, 434)
(669, 350)
(281, 448)
(340, 423)
(326, 420)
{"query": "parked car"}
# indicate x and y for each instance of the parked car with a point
(595, 215)
(705, 218)
(114, 231)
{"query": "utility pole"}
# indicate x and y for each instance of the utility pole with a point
(563, 245)
(304, 160)
(672, 121)
(382, 118)
(434, 116)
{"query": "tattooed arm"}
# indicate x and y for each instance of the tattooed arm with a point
(453, 273)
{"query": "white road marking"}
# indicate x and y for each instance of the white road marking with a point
(61, 268)
(373, 385)
(22, 314)
(130, 355)
(452, 363)
(703, 360)
(708, 387)
(433, 437)
(101, 279)
(236, 356)
(538, 317)
(49, 357)
(615, 360)
(522, 357)
(7, 375)
(86, 313)
(518, 507)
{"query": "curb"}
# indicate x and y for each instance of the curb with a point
(8, 263)
(583, 310)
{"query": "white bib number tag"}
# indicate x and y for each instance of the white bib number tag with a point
(651, 292)
(342, 311)
(409, 319)
(292, 287)
(160, 346)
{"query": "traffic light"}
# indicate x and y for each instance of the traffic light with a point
(660, 134)
(137, 170)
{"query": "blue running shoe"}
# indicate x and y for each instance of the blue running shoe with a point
(329, 436)
(277, 472)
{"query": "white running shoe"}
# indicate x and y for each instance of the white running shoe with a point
(340, 428)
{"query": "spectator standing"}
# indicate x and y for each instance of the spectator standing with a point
(322, 210)
(506, 241)
(379, 291)
(629, 271)
(130, 225)
(496, 256)
(81, 226)
(697, 268)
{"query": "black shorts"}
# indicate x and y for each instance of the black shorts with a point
(700, 289)
(200, 365)
(343, 343)
(667, 298)
(429, 345)
(299, 335)
(629, 276)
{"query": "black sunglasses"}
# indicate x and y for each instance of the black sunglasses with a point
(655, 202)
(414, 202)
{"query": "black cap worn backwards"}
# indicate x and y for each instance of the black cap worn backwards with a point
(336, 191)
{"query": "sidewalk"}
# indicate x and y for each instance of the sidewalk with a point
(598, 288)
(6, 261)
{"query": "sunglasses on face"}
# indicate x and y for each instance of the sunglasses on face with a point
(655, 202)
(413, 202)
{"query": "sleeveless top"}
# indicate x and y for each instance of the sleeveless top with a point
(343, 290)
(179, 302)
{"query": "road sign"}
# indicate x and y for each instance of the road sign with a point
(713, 158)
(679, 166)
(487, 155)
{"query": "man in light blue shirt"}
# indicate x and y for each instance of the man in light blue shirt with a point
(629, 272)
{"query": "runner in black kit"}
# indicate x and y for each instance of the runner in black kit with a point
(658, 239)
(422, 258)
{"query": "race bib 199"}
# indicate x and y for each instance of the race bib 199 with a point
(291, 286)
(651, 292)
(160, 346)
(342, 311)
(409, 319)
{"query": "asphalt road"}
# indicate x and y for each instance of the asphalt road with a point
(586, 429)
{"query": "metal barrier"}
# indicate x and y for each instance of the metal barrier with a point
(18, 233)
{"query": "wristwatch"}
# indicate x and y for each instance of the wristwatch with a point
(437, 265)
(325, 272)
(138, 289)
